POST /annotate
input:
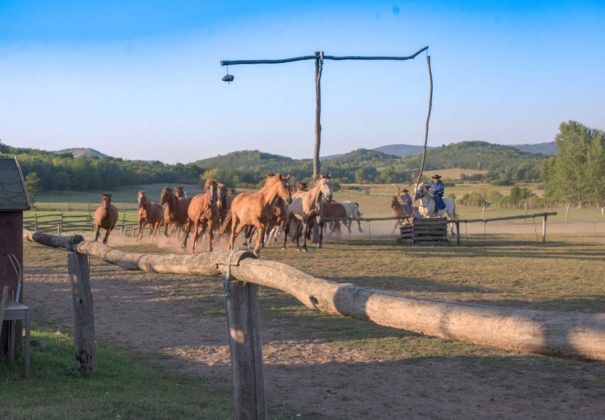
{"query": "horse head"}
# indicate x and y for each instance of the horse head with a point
(301, 186)
(221, 192)
(281, 185)
(179, 192)
(325, 185)
(142, 199)
(210, 187)
(420, 192)
(106, 200)
(166, 195)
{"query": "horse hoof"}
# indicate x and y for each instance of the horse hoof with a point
(305, 250)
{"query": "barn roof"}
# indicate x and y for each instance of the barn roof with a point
(13, 193)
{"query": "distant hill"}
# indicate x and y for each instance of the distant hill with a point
(503, 161)
(402, 149)
(363, 157)
(82, 151)
(548, 148)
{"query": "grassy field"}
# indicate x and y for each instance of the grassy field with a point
(123, 387)
(563, 275)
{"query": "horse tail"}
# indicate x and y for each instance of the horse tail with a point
(226, 226)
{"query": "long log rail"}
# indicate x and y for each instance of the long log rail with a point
(561, 334)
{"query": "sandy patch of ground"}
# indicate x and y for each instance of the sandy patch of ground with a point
(178, 322)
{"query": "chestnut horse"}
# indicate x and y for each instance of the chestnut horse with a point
(106, 217)
(334, 214)
(306, 207)
(223, 202)
(151, 213)
(179, 192)
(175, 211)
(256, 209)
(202, 213)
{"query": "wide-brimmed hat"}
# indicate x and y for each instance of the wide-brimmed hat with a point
(405, 190)
(436, 176)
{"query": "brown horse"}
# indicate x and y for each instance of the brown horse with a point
(151, 213)
(306, 207)
(334, 214)
(203, 213)
(256, 209)
(179, 192)
(175, 212)
(106, 217)
(223, 203)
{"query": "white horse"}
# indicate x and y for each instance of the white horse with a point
(427, 205)
(353, 213)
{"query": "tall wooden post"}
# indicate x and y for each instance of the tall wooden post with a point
(84, 325)
(319, 60)
(243, 320)
(457, 232)
(544, 228)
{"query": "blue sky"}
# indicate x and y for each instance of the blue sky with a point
(141, 79)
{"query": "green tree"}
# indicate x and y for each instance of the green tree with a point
(578, 172)
(33, 182)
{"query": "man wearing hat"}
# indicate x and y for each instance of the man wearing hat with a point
(408, 203)
(437, 189)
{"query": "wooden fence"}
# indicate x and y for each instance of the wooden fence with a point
(562, 334)
(457, 222)
(66, 223)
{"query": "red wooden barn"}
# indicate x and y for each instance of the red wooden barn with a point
(13, 201)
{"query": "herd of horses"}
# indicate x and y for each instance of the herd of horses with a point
(266, 213)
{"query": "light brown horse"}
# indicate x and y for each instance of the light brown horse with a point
(203, 214)
(306, 207)
(256, 209)
(175, 212)
(399, 211)
(151, 213)
(106, 217)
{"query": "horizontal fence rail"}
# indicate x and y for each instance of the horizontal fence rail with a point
(562, 334)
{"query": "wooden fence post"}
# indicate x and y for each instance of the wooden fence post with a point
(544, 228)
(36, 222)
(243, 321)
(457, 232)
(84, 325)
(566, 211)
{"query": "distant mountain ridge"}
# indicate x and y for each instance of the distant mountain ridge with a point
(82, 151)
(547, 148)
(402, 150)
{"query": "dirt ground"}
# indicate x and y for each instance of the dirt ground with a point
(179, 322)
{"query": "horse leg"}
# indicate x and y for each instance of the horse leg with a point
(321, 233)
(188, 229)
(142, 224)
(358, 225)
(259, 241)
(235, 230)
(210, 234)
(107, 232)
(97, 233)
(306, 232)
(286, 231)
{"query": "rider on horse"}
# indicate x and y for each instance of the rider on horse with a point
(437, 189)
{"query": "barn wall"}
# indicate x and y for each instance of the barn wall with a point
(11, 242)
